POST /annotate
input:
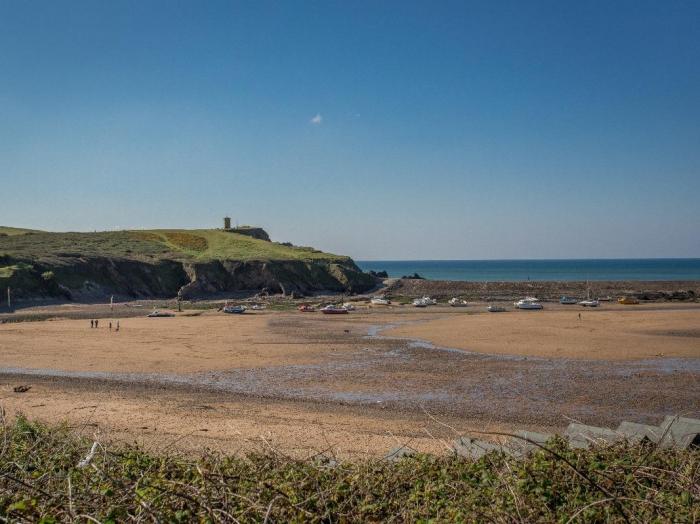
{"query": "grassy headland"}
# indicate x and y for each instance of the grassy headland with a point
(159, 262)
(49, 475)
(173, 244)
(10, 231)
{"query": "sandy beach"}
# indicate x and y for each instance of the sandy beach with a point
(359, 384)
(603, 334)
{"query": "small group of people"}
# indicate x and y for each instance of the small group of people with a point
(94, 323)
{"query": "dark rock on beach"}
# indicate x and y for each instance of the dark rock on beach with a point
(545, 290)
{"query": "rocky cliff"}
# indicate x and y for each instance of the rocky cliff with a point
(94, 277)
(191, 264)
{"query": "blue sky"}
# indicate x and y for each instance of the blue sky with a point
(382, 130)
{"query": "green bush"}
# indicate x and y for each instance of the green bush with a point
(40, 481)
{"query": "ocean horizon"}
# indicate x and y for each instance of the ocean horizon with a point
(541, 269)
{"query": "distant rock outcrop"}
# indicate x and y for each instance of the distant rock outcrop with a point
(250, 231)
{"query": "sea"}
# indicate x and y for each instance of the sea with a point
(521, 270)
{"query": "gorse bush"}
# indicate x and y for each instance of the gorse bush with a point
(187, 241)
(42, 480)
(145, 235)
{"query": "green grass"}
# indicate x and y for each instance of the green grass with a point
(11, 231)
(8, 271)
(40, 481)
(175, 244)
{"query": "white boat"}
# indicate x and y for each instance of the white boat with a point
(158, 314)
(528, 303)
(496, 309)
(234, 310)
(424, 302)
(589, 303)
(567, 300)
(526, 300)
(349, 306)
(332, 309)
(457, 302)
(380, 301)
(258, 307)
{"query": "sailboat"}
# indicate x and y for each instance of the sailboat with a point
(589, 302)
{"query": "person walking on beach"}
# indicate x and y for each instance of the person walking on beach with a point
(96, 321)
(579, 316)
(117, 325)
(92, 323)
(110, 326)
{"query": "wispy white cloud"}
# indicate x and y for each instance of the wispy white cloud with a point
(317, 119)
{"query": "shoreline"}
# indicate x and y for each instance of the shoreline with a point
(482, 291)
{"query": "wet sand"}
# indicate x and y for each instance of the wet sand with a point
(309, 382)
(181, 420)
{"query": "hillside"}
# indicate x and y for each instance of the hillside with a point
(164, 262)
(10, 231)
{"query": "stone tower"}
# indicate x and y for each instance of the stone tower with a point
(227, 222)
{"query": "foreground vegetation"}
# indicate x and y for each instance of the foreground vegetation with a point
(45, 477)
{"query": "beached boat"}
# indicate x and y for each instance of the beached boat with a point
(528, 303)
(349, 306)
(332, 309)
(567, 300)
(156, 313)
(628, 301)
(424, 302)
(258, 307)
(380, 301)
(589, 303)
(605, 299)
(457, 302)
(496, 309)
(234, 310)
(306, 308)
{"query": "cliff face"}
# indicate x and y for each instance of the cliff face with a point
(276, 276)
(79, 278)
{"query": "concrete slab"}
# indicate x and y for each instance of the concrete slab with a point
(640, 432)
(398, 453)
(681, 432)
(582, 436)
(472, 448)
(521, 447)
